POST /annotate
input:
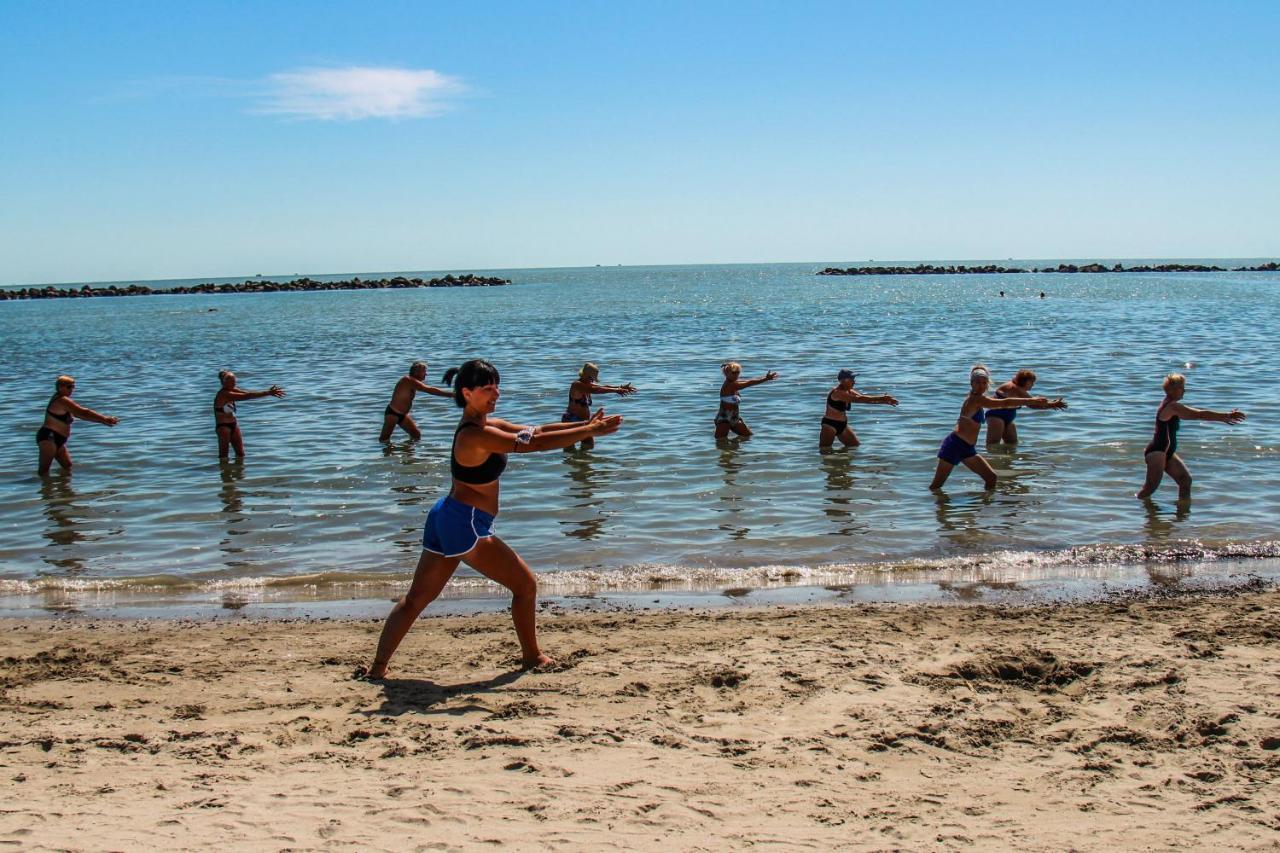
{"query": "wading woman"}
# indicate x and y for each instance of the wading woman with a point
(727, 417)
(835, 420)
(579, 408)
(1162, 452)
(459, 528)
(52, 437)
(406, 391)
(224, 412)
(1000, 422)
(958, 447)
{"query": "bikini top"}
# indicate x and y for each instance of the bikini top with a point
(838, 405)
(487, 471)
(584, 400)
(731, 399)
(65, 417)
(228, 408)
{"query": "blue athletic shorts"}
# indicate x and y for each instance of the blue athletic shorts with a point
(955, 449)
(453, 528)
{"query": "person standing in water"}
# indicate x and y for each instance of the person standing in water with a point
(579, 408)
(1000, 422)
(835, 420)
(225, 423)
(459, 528)
(406, 390)
(959, 447)
(51, 438)
(727, 417)
(1162, 451)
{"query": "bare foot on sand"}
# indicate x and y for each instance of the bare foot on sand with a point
(541, 660)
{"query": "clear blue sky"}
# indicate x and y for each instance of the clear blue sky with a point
(159, 139)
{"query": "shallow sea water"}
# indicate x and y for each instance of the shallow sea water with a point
(319, 503)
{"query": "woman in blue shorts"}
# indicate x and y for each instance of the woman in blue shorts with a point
(958, 447)
(459, 527)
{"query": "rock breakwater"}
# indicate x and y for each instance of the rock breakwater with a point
(253, 286)
(961, 269)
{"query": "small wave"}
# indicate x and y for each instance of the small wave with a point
(1000, 565)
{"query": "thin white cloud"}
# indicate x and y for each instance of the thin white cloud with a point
(358, 92)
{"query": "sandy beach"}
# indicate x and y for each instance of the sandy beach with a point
(1137, 723)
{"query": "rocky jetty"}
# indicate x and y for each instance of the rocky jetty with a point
(253, 286)
(930, 269)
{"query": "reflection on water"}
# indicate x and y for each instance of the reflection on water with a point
(961, 520)
(976, 590)
(838, 504)
(65, 529)
(1160, 526)
(732, 462)
(231, 473)
(586, 480)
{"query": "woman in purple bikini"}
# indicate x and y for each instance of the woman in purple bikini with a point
(958, 447)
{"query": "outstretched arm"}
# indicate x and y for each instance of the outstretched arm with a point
(622, 390)
(430, 389)
(85, 413)
(768, 377)
(1019, 402)
(1234, 416)
(495, 439)
(238, 394)
(872, 399)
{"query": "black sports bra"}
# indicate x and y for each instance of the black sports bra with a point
(838, 405)
(477, 475)
(65, 417)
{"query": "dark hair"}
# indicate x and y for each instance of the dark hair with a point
(475, 373)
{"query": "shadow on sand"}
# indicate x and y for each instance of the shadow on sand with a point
(421, 695)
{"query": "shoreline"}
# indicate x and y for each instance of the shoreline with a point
(1143, 721)
(998, 584)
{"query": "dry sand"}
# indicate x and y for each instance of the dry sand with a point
(1141, 723)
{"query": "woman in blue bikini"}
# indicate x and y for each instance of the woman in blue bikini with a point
(1000, 422)
(958, 447)
(459, 528)
(1162, 451)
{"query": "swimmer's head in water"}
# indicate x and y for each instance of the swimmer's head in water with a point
(731, 368)
(1175, 384)
(418, 370)
(64, 383)
(847, 374)
(589, 372)
(227, 378)
(979, 376)
(476, 373)
(1024, 378)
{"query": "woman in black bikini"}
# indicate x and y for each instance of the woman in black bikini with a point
(727, 417)
(52, 437)
(579, 408)
(1162, 452)
(460, 525)
(835, 420)
(224, 412)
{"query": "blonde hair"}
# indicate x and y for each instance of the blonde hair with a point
(1174, 380)
(731, 368)
(64, 379)
(1023, 377)
(589, 369)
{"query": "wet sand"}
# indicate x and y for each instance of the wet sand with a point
(1145, 721)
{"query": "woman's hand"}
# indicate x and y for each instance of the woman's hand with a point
(1234, 416)
(770, 376)
(275, 391)
(1057, 403)
(890, 401)
(625, 390)
(602, 424)
(110, 420)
